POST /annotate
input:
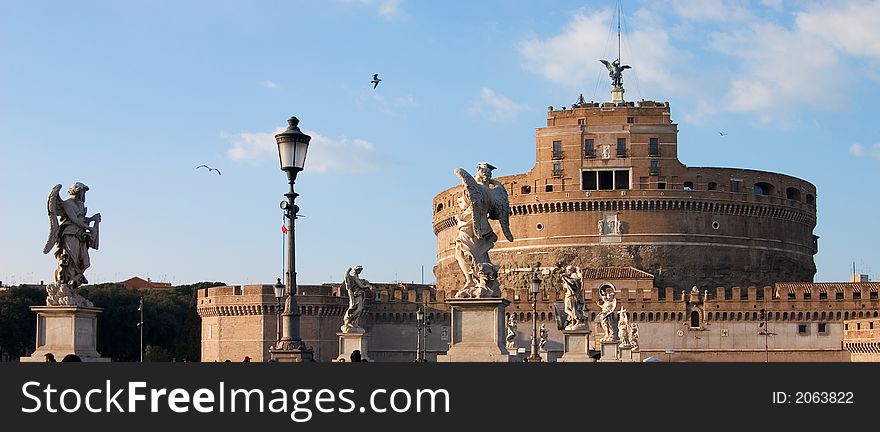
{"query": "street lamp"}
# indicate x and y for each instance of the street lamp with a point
(279, 294)
(533, 296)
(292, 148)
(141, 326)
(423, 324)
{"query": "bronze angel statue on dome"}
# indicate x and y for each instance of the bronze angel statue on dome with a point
(615, 71)
(484, 198)
(72, 238)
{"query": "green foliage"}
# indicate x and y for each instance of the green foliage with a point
(172, 327)
(17, 321)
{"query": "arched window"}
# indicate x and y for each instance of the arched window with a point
(762, 189)
(712, 186)
(650, 316)
(695, 319)
(793, 193)
(665, 316)
(688, 185)
(439, 207)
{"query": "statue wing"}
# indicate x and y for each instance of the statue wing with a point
(53, 208)
(625, 67)
(500, 209)
(607, 65)
(345, 282)
(474, 193)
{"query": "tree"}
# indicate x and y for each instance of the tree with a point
(17, 321)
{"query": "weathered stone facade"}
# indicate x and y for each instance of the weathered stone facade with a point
(861, 337)
(687, 226)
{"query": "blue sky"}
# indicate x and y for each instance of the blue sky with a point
(129, 97)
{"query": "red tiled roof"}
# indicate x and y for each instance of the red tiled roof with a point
(790, 287)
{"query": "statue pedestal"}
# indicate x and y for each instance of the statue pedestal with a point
(617, 95)
(609, 352)
(349, 342)
(576, 346)
(626, 353)
(63, 330)
(478, 331)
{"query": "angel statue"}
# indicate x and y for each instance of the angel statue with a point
(542, 342)
(572, 281)
(623, 328)
(511, 332)
(356, 288)
(634, 336)
(615, 71)
(607, 303)
(71, 239)
(484, 198)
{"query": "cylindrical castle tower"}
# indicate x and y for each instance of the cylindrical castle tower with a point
(608, 190)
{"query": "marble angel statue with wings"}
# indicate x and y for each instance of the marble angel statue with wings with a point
(484, 198)
(71, 238)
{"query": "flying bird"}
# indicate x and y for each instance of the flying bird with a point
(722, 133)
(210, 169)
(375, 80)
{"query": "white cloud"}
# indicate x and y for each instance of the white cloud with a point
(268, 84)
(325, 154)
(779, 68)
(860, 151)
(773, 4)
(849, 26)
(571, 58)
(857, 150)
(710, 10)
(495, 107)
(391, 105)
(389, 10)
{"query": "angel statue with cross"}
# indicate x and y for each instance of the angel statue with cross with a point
(71, 238)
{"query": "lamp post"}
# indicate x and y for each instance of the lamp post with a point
(279, 294)
(765, 330)
(533, 296)
(424, 327)
(141, 326)
(292, 148)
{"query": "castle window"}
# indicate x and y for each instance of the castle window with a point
(689, 186)
(582, 121)
(654, 147)
(237, 291)
(439, 207)
(793, 194)
(589, 148)
(838, 296)
(695, 319)
(808, 296)
(557, 149)
(823, 296)
(621, 147)
(712, 186)
(873, 295)
(735, 185)
(857, 295)
(792, 296)
(661, 185)
(762, 189)
(548, 188)
(557, 170)
(811, 199)
(630, 120)
(802, 329)
(605, 180)
(525, 190)
(655, 166)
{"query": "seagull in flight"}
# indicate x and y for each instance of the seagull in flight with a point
(375, 80)
(722, 133)
(209, 169)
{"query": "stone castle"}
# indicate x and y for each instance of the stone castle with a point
(694, 255)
